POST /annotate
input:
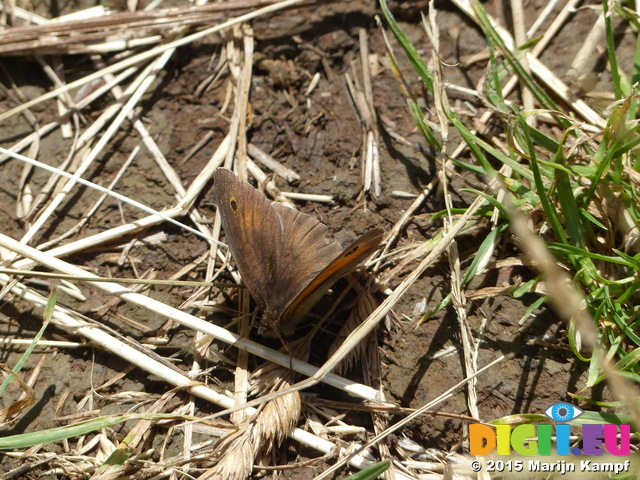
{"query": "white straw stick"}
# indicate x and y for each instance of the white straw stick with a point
(159, 308)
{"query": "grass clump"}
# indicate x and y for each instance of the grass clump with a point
(570, 170)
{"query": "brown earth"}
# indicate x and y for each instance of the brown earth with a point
(320, 137)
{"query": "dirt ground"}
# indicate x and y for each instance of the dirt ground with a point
(320, 137)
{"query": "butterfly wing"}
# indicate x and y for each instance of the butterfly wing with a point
(253, 230)
(305, 251)
(343, 263)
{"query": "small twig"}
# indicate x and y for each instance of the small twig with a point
(272, 164)
(198, 146)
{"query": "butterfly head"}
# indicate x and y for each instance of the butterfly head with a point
(272, 326)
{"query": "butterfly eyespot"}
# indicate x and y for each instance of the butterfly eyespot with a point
(233, 204)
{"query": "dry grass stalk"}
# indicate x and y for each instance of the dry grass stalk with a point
(441, 104)
(540, 70)
(32, 18)
(404, 220)
(544, 15)
(308, 197)
(582, 70)
(240, 64)
(272, 164)
(237, 461)
(371, 367)
(149, 54)
(57, 77)
(43, 343)
(113, 31)
(520, 38)
(362, 95)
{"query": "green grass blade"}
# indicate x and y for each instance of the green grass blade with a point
(26, 440)
(48, 311)
(372, 472)
(487, 247)
(412, 54)
(611, 51)
(541, 188)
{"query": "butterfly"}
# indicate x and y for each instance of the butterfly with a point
(283, 255)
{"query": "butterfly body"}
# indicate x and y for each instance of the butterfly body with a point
(283, 255)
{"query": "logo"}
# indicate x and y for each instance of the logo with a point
(533, 440)
(563, 412)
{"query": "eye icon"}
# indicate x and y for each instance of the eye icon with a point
(563, 412)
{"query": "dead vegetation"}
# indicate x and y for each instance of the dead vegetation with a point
(46, 241)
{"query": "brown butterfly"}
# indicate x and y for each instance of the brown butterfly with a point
(284, 257)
